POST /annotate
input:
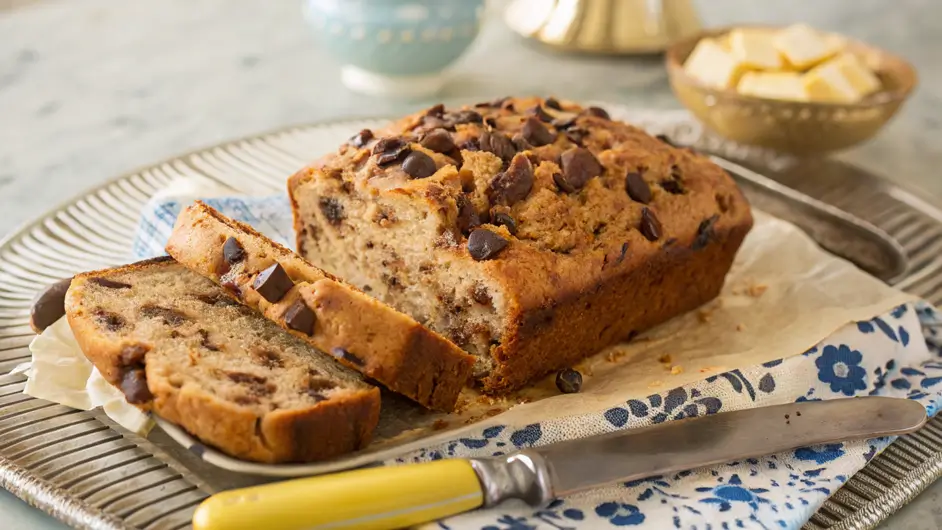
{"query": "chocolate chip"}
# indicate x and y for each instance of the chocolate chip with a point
(389, 150)
(108, 320)
(497, 143)
(564, 123)
(650, 225)
(637, 188)
(490, 122)
(273, 283)
(504, 219)
(170, 317)
(332, 210)
(598, 112)
(552, 103)
(471, 144)
(431, 122)
(343, 354)
(576, 135)
(320, 384)
(579, 166)
(569, 381)
(438, 140)
(437, 110)
(133, 354)
(49, 305)
(621, 256)
(664, 138)
(672, 186)
(232, 251)
(299, 317)
(705, 233)
(541, 114)
(465, 116)
(205, 342)
(110, 284)
(484, 244)
(419, 165)
(536, 133)
(521, 143)
(513, 185)
(468, 218)
(217, 299)
(563, 184)
(268, 359)
(361, 138)
(134, 387)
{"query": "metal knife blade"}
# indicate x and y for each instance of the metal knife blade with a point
(690, 443)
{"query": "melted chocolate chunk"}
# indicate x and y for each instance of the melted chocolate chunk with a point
(705, 233)
(650, 225)
(133, 355)
(205, 342)
(419, 165)
(256, 384)
(484, 244)
(536, 133)
(438, 140)
(361, 138)
(480, 294)
(170, 317)
(513, 185)
(468, 218)
(577, 135)
(552, 103)
(390, 150)
(579, 166)
(497, 143)
(217, 299)
(504, 219)
(134, 387)
(273, 283)
(637, 188)
(672, 186)
(332, 210)
(232, 251)
(465, 116)
(110, 284)
(343, 354)
(299, 317)
(540, 114)
(598, 112)
(108, 320)
(49, 305)
(268, 359)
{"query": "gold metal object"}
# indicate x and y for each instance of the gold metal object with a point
(795, 127)
(604, 26)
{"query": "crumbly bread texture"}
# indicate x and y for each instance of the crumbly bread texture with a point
(359, 331)
(532, 232)
(177, 344)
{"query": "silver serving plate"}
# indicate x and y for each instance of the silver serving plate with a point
(84, 470)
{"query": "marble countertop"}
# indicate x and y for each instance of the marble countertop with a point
(93, 89)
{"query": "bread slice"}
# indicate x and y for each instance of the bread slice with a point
(362, 333)
(177, 344)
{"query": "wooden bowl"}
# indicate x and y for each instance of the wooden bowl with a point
(795, 127)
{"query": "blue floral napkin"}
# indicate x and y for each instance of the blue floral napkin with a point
(895, 354)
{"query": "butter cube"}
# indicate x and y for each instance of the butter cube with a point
(828, 83)
(864, 81)
(773, 85)
(803, 47)
(755, 49)
(710, 64)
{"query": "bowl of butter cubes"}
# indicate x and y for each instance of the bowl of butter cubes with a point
(792, 89)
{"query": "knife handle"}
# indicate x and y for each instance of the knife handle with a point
(376, 498)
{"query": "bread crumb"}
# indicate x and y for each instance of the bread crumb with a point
(740, 327)
(664, 359)
(440, 424)
(708, 369)
(677, 369)
(655, 384)
(494, 412)
(756, 290)
(704, 315)
(613, 356)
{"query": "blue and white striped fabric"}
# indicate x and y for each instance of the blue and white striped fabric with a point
(895, 354)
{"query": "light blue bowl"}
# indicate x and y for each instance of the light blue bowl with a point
(395, 47)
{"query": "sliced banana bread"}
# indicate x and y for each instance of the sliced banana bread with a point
(177, 344)
(532, 232)
(359, 331)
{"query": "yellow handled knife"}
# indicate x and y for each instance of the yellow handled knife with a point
(402, 496)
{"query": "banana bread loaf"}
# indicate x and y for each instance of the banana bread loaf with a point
(177, 344)
(357, 330)
(532, 232)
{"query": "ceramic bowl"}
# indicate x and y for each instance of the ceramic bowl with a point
(794, 127)
(395, 47)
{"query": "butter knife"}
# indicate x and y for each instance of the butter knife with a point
(402, 496)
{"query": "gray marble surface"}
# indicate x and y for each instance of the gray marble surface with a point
(90, 89)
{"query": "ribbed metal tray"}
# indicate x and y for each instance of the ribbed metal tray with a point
(84, 470)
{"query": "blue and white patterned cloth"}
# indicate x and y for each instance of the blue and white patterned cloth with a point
(895, 354)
